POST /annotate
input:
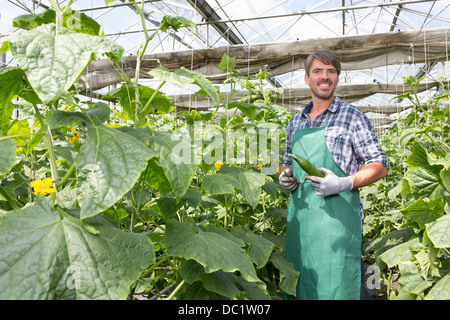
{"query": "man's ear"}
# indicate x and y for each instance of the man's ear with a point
(306, 79)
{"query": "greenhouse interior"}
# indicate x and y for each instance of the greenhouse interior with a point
(144, 147)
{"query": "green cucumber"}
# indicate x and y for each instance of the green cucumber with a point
(307, 166)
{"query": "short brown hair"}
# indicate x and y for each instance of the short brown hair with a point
(325, 56)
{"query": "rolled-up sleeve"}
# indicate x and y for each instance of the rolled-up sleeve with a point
(367, 145)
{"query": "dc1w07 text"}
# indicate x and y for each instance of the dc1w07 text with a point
(246, 309)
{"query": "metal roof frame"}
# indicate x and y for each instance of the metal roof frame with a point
(219, 25)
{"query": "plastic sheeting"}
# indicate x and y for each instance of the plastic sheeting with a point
(356, 53)
(294, 98)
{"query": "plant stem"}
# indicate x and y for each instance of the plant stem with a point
(233, 213)
(20, 135)
(225, 222)
(67, 7)
(11, 202)
(51, 153)
(153, 96)
(67, 176)
(139, 57)
(56, 7)
(135, 204)
(176, 290)
(119, 69)
(59, 11)
(157, 264)
(435, 143)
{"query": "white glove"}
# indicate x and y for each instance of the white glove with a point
(330, 184)
(287, 180)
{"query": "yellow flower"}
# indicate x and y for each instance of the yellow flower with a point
(43, 186)
(74, 137)
(219, 164)
(259, 166)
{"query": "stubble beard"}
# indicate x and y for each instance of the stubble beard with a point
(323, 95)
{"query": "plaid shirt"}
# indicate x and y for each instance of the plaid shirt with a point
(349, 136)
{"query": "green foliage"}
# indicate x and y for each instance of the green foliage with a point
(31, 21)
(408, 229)
(49, 254)
(141, 204)
(53, 57)
(144, 201)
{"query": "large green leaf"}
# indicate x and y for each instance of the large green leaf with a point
(138, 111)
(220, 282)
(249, 110)
(175, 22)
(212, 250)
(7, 155)
(183, 77)
(445, 176)
(412, 284)
(423, 211)
(176, 158)
(53, 58)
(288, 275)
(10, 85)
(19, 131)
(423, 183)
(440, 290)
(108, 165)
(399, 253)
(155, 177)
(439, 231)
(419, 157)
(400, 235)
(407, 134)
(259, 248)
(220, 184)
(423, 175)
(30, 21)
(48, 254)
(251, 182)
(225, 284)
(97, 115)
(227, 63)
(80, 22)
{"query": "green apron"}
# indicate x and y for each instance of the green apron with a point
(323, 238)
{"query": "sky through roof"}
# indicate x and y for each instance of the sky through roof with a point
(227, 22)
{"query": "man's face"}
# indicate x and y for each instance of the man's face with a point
(322, 79)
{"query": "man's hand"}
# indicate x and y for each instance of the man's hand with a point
(330, 184)
(287, 180)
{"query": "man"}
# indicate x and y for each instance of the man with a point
(324, 224)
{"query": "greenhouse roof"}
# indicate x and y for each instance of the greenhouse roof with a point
(251, 28)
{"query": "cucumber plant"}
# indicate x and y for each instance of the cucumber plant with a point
(127, 217)
(407, 214)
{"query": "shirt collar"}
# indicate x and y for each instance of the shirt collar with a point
(333, 107)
